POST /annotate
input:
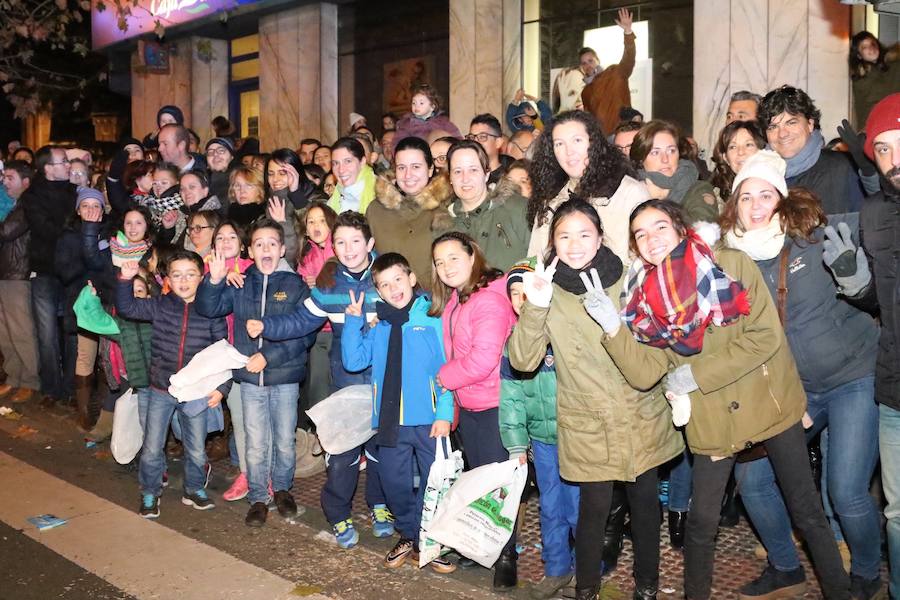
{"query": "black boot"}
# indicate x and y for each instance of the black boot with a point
(591, 593)
(677, 520)
(644, 593)
(731, 509)
(505, 571)
(615, 529)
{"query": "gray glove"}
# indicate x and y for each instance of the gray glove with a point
(847, 262)
(681, 381)
(600, 306)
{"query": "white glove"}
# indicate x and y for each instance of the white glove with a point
(598, 305)
(681, 408)
(538, 285)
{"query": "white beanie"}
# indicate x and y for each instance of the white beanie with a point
(354, 117)
(766, 165)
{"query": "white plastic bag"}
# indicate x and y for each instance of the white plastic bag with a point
(477, 515)
(344, 419)
(447, 465)
(127, 434)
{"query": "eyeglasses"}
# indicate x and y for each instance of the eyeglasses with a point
(217, 152)
(481, 137)
(77, 174)
(184, 276)
(440, 159)
(199, 228)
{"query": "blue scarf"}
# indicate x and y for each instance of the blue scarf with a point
(804, 160)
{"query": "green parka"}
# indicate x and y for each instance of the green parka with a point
(749, 391)
(527, 404)
(607, 430)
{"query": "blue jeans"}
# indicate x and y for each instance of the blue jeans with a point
(270, 420)
(46, 303)
(396, 470)
(341, 477)
(850, 452)
(559, 511)
(889, 443)
(143, 395)
(680, 481)
(160, 408)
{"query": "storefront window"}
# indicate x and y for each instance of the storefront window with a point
(244, 86)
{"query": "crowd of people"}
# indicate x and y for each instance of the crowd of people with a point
(573, 292)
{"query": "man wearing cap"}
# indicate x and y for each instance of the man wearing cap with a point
(880, 234)
(220, 153)
(48, 201)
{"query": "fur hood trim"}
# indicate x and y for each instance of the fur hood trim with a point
(435, 194)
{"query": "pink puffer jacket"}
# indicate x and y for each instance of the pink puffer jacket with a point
(474, 336)
(313, 262)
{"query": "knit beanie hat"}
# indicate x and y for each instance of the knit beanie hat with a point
(90, 315)
(766, 165)
(85, 193)
(517, 271)
(172, 110)
(224, 142)
(354, 117)
(885, 116)
(130, 141)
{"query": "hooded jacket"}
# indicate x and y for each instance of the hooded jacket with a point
(421, 399)
(413, 126)
(474, 336)
(498, 225)
(276, 294)
(47, 205)
(407, 224)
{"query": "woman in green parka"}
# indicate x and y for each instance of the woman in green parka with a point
(607, 430)
(706, 322)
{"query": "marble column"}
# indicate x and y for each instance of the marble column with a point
(209, 90)
(298, 75)
(485, 57)
(150, 91)
(769, 43)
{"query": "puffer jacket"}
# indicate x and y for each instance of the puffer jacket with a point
(421, 400)
(179, 331)
(327, 304)
(311, 264)
(527, 404)
(412, 126)
(474, 336)
(498, 225)
(82, 255)
(135, 338)
(276, 294)
(407, 224)
(14, 238)
(608, 430)
(749, 388)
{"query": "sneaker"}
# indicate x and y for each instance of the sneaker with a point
(286, 505)
(382, 521)
(198, 500)
(775, 584)
(549, 586)
(398, 555)
(442, 565)
(256, 516)
(866, 589)
(238, 490)
(149, 506)
(207, 468)
(345, 534)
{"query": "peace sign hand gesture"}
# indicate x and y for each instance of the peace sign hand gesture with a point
(355, 308)
(598, 305)
(538, 285)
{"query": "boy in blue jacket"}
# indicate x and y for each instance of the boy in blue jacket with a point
(405, 351)
(349, 273)
(179, 332)
(270, 383)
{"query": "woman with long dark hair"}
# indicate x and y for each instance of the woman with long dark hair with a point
(872, 73)
(738, 141)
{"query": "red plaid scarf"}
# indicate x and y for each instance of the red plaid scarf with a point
(670, 306)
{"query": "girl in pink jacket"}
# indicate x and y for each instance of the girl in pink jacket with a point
(470, 297)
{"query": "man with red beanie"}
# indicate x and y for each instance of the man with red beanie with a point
(880, 232)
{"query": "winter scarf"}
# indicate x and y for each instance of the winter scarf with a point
(678, 184)
(758, 244)
(392, 386)
(804, 160)
(608, 266)
(123, 250)
(670, 306)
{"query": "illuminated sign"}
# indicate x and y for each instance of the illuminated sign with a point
(146, 15)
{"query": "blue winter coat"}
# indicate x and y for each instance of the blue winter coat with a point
(421, 401)
(323, 305)
(179, 331)
(280, 293)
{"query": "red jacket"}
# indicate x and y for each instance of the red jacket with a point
(474, 336)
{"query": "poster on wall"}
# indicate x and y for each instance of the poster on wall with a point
(399, 79)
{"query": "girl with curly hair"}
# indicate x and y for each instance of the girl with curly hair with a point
(573, 158)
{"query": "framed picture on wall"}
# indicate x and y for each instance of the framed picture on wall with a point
(153, 57)
(399, 79)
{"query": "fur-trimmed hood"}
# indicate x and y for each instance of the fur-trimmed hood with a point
(498, 196)
(436, 193)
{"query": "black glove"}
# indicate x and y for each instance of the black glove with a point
(855, 143)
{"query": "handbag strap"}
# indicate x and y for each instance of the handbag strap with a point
(782, 284)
